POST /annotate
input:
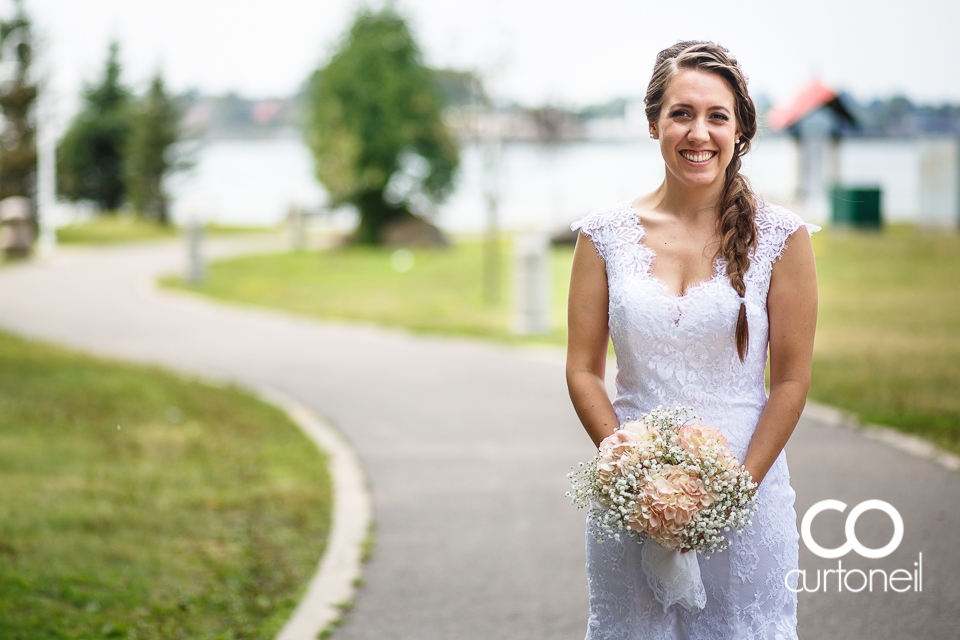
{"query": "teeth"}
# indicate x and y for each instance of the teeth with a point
(698, 156)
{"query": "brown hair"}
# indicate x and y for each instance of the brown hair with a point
(738, 203)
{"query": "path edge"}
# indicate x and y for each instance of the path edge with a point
(909, 444)
(335, 581)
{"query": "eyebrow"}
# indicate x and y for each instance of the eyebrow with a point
(716, 107)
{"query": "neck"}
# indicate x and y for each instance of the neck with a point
(682, 201)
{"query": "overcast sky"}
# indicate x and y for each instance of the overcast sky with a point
(532, 51)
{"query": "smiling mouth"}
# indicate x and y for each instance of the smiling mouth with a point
(698, 157)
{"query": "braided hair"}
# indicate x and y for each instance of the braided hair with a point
(738, 204)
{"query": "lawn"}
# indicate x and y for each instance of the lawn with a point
(110, 229)
(442, 292)
(137, 504)
(888, 340)
(888, 337)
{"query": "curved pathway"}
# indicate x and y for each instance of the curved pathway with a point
(466, 444)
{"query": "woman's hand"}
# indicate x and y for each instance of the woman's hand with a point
(587, 339)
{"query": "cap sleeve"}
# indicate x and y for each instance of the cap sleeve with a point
(598, 226)
(775, 225)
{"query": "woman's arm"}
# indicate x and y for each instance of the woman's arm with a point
(792, 310)
(587, 338)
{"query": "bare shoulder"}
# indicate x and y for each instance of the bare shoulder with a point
(646, 209)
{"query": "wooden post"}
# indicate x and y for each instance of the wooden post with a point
(196, 271)
(298, 230)
(531, 286)
(939, 184)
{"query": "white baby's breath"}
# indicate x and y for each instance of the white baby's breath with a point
(648, 453)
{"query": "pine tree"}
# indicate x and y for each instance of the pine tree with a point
(18, 95)
(90, 156)
(155, 129)
(374, 109)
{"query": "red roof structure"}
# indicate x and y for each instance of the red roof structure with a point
(814, 96)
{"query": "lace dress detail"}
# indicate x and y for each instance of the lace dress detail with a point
(680, 350)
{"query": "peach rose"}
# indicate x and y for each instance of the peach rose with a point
(644, 434)
(612, 448)
(644, 437)
(668, 503)
(694, 437)
(624, 449)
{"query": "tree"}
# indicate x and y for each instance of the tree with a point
(375, 128)
(155, 130)
(90, 156)
(18, 96)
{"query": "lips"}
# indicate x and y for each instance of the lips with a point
(698, 157)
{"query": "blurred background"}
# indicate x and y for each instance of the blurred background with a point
(411, 164)
(560, 86)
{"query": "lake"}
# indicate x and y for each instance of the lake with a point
(542, 187)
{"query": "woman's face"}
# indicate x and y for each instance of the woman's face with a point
(697, 128)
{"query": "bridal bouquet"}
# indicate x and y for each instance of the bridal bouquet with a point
(675, 482)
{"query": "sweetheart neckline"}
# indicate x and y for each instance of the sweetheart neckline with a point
(718, 262)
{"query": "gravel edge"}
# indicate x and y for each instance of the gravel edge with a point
(334, 584)
(913, 445)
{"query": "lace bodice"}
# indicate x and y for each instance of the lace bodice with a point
(681, 350)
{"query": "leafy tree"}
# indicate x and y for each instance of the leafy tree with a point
(374, 114)
(90, 156)
(18, 95)
(155, 129)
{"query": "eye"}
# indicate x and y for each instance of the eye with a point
(679, 113)
(720, 116)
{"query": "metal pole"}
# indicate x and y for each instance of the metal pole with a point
(489, 139)
(46, 137)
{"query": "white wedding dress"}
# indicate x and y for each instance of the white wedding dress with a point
(680, 350)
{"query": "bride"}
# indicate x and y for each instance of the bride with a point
(694, 283)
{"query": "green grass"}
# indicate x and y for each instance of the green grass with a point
(137, 504)
(888, 337)
(442, 293)
(888, 340)
(217, 229)
(112, 229)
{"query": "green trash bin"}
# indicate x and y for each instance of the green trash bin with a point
(856, 207)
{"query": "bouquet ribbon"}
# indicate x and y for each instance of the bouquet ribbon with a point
(674, 577)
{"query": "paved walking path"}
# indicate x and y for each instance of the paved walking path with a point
(467, 444)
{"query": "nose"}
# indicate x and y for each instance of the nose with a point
(698, 131)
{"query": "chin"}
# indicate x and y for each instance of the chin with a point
(701, 180)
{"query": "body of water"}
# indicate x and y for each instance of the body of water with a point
(254, 182)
